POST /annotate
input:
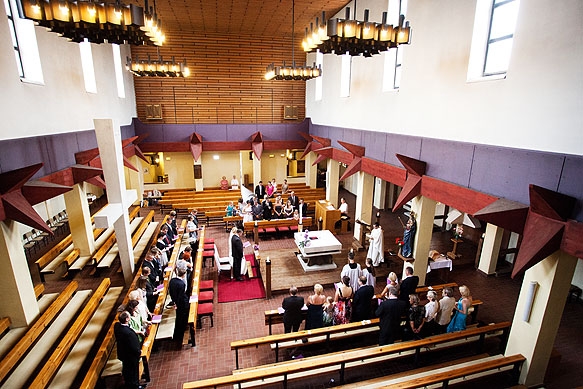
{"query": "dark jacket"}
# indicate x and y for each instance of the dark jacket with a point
(293, 309)
(390, 313)
(361, 303)
(128, 344)
(407, 287)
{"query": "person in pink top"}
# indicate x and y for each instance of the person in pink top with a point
(269, 189)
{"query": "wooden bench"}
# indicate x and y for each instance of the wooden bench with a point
(300, 338)
(39, 289)
(214, 216)
(340, 361)
(452, 372)
(4, 324)
(49, 369)
(34, 331)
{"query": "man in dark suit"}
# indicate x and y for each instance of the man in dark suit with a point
(237, 251)
(292, 316)
(361, 302)
(151, 263)
(129, 350)
(260, 191)
(408, 285)
(178, 293)
(257, 210)
(295, 202)
(303, 208)
(390, 313)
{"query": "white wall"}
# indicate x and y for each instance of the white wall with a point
(61, 104)
(538, 106)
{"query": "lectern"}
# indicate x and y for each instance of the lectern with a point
(328, 212)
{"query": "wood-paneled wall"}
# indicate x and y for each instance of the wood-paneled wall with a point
(227, 82)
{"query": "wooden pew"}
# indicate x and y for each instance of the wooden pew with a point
(302, 367)
(196, 278)
(318, 335)
(44, 377)
(39, 289)
(4, 324)
(464, 370)
(35, 331)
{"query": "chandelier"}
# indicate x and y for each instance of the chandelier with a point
(97, 21)
(293, 72)
(354, 37)
(158, 68)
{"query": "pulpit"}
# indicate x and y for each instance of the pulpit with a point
(328, 214)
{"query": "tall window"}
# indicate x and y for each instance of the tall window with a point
(494, 26)
(87, 65)
(501, 34)
(25, 47)
(394, 57)
(12, 27)
(121, 93)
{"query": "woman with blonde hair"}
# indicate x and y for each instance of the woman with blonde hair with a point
(458, 321)
(315, 308)
(392, 282)
(431, 311)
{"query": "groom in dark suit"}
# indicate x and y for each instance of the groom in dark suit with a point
(292, 316)
(237, 250)
(390, 313)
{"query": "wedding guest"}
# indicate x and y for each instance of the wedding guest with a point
(458, 321)
(294, 200)
(369, 273)
(129, 350)
(303, 208)
(278, 208)
(136, 322)
(224, 184)
(390, 312)
(230, 210)
(267, 209)
(343, 302)
(431, 311)
(288, 210)
(292, 316)
(177, 290)
(237, 253)
(269, 189)
(408, 284)
(416, 319)
(315, 308)
(392, 282)
(284, 187)
(152, 292)
(446, 305)
(234, 183)
(260, 190)
(328, 312)
(257, 210)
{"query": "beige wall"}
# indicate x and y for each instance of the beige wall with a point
(212, 170)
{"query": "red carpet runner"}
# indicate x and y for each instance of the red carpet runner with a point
(249, 289)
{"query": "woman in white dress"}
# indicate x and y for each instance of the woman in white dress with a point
(247, 212)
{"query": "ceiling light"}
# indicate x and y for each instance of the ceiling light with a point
(157, 68)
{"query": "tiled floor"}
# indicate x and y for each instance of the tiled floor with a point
(213, 357)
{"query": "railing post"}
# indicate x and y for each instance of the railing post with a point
(256, 233)
(268, 282)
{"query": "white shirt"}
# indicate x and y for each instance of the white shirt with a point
(234, 183)
(343, 208)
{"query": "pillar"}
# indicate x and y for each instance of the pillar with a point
(332, 180)
(424, 209)
(490, 249)
(135, 180)
(198, 185)
(535, 338)
(380, 191)
(363, 206)
(311, 170)
(18, 298)
(256, 171)
(110, 150)
(80, 220)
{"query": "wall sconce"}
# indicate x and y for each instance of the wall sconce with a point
(530, 293)
(216, 157)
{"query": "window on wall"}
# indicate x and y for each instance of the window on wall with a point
(345, 75)
(394, 57)
(121, 93)
(87, 65)
(494, 26)
(318, 89)
(14, 37)
(25, 46)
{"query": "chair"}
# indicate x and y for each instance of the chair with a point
(28, 243)
(57, 223)
(204, 310)
(39, 236)
(222, 267)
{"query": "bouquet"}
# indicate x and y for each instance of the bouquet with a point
(306, 240)
(399, 241)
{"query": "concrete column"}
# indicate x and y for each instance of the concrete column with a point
(424, 209)
(198, 185)
(110, 150)
(135, 180)
(363, 206)
(256, 171)
(311, 171)
(380, 192)
(490, 249)
(332, 179)
(535, 338)
(80, 219)
(18, 298)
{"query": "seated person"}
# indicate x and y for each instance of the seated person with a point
(267, 209)
(224, 183)
(234, 183)
(343, 208)
(230, 210)
(278, 208)
(257, 211)
(296, 215)
(288, 210)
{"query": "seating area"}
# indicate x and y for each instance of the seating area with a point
(34, 239)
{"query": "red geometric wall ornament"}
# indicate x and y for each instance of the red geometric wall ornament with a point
(504, 213)
(412, 188)
(195, 145)
(325, 142)
(257, 144)
(324, 153)
(17, 197)
(545, 228)
(356, 163)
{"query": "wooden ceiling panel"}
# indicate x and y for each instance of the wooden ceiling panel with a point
(251, 17)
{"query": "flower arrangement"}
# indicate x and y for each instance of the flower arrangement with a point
(306, 241)
(256, 247)
(459, 230)
(399, 241)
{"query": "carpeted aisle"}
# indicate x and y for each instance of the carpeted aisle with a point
(249, 289)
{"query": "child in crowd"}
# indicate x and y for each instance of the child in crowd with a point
(328, 311)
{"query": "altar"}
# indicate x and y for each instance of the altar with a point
(317, 247)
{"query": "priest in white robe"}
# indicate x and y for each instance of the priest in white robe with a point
(376, 248)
